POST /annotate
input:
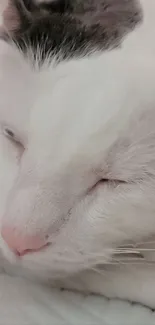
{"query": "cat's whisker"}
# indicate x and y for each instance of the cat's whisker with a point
(126, 252)
(134, 251)
(100, 272)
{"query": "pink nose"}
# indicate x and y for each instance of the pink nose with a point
(20, 244)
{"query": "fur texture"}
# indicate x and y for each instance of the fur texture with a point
(86, 180)
(65, 29)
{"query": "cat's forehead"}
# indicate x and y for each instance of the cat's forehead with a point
(17, 88)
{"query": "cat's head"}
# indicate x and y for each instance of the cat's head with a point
(84, 182)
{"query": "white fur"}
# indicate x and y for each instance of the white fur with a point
(82, 122)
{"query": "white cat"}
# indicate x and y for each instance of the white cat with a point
(78, 93)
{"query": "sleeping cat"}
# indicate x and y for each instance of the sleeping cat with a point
(82, 203)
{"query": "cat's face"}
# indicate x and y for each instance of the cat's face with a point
(86, 177)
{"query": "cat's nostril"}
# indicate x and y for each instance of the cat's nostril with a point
(22, 244)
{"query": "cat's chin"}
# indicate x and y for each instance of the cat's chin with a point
(17, 270)
(31, 271)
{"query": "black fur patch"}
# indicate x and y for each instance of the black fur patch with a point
(68, 28)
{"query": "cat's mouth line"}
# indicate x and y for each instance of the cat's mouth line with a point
(31, 251)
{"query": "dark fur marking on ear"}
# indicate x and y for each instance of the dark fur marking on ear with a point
(67, 28)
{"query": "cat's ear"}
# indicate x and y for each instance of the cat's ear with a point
(17, 16)
(20, 14)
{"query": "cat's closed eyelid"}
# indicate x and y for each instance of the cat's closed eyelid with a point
(9, 133)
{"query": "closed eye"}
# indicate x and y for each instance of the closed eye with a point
(10, 134)
(109, 182)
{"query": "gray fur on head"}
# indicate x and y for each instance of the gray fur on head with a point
(68, 28)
